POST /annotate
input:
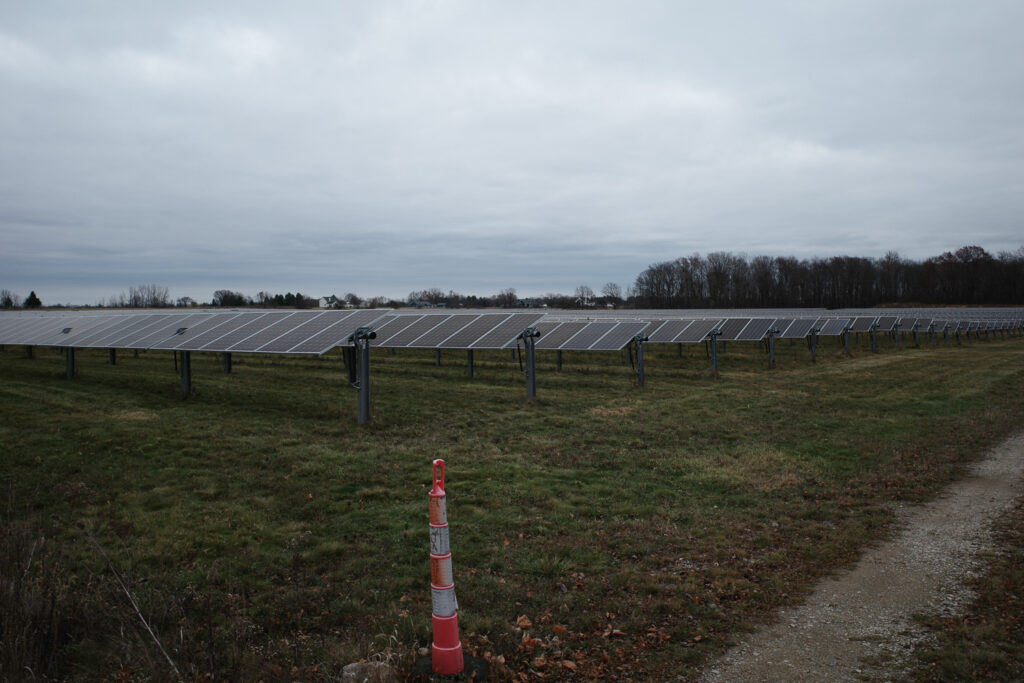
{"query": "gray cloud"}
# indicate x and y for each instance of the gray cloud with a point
(385, 147)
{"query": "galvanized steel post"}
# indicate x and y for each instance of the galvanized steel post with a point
(446, 648)
(529, 337)
(186, 372)
(639, 340)
(714, 350)
(361, 341)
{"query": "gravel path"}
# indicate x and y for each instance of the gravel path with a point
(858, 624)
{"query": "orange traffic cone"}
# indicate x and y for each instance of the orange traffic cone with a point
(446, 650)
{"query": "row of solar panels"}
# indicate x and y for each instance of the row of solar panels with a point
(316, 332)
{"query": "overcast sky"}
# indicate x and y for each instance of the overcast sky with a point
(381, 147)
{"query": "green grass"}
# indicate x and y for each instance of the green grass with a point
(640, 531)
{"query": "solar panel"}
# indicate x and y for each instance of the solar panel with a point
(558, 335)
(697, 332)
(505, 333)
(669, 331)
(303, 331)
(338, 334)
(391, 326)
(158, 333)
(452, 325)
(862, 324)
(588, 336)
(189, 340)
(199, 340)
(781, 325)
(124, 338)
(732, 327)
(620, 335)
(77, 328)
(886, 323)
(800, 328)
(756, 330)
(106, 337)
(251, 323)
(416, 330)
(834, 327)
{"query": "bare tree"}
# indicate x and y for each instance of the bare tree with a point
(506, 298)
(9, 299)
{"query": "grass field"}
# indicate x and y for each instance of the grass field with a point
(601, 531)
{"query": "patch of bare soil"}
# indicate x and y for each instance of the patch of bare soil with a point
(858, 625)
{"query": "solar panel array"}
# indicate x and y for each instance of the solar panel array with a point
(316, 332)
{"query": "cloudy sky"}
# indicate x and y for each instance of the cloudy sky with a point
(381, 147)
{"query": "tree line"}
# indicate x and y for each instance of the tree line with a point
(968, 276)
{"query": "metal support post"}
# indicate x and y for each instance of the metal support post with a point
(113, 356)
(679, 350)
(186, 372)
(69, 355)
(28, 352)
(874, 337)
(227, 362)
(469, 362)
(437, 357)
(529, 337)
(361, 346)
(846, 341)
(558, 360)
(814, 344)
(896, 335)
(638, 341)
(357, 358)
(771, 348)
(714, 351)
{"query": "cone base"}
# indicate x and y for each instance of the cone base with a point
(446, 660)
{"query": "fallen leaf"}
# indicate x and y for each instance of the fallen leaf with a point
(524, 622)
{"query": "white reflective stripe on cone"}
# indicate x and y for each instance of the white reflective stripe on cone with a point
(443, 601)
(439, 540)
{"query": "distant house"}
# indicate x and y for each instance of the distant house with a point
(331, 302)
